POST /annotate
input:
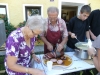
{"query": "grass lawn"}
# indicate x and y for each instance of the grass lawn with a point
(1, 61)
(2, 64)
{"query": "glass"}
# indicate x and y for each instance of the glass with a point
(49, 65)
(53, 18)
(34, 33)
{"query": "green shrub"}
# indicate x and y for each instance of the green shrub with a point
(8, 26)
(2, 62)
(22, 24)
(9, 29)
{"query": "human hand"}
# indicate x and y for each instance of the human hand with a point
(37, 72)
(60, 47)
(89, 43)
(49, 47)
(73, 35)
(91, 51)
(36, 59)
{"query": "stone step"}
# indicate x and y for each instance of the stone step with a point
(2, 71)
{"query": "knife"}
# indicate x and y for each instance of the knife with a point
(54, 53)
(57, 53)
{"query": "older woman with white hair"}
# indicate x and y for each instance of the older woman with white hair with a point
(20, 46)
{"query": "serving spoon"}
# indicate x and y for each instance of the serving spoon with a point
(77, 39)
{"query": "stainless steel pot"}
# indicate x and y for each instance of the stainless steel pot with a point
(81, 51)
(82, 54)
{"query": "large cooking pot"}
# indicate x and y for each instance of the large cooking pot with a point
(81, 51)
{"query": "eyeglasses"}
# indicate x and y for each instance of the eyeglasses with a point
(53, 18)
(34, 32)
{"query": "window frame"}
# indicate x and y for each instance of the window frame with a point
(7, 11)
(31, 5)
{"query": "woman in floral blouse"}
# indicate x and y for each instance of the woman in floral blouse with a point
(20, 46)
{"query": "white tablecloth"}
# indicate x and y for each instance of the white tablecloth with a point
(77, 65)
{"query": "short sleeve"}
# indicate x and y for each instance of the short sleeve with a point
(65, 32)
(70, 25)
(12, 46)
(96, 42)
(90, 18)
(87, 25)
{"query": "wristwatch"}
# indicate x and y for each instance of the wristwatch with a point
(93, 55)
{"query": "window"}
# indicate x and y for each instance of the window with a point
(32, 10)
(3, 11)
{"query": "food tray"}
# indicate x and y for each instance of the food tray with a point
(67, 62)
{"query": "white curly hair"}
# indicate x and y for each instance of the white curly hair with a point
(36, 22)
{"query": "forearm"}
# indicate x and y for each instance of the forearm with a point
(92, 35)
(64, 41)
(44, 40)
(19, 68)
(87, 35)
(12, 64)
(95, 61)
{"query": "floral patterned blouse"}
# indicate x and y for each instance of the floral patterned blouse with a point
(16, 46)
